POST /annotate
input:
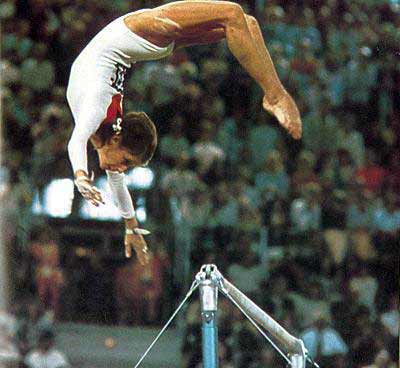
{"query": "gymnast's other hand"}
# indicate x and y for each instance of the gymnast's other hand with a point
(137, 242)
(84, 183)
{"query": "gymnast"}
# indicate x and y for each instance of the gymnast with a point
(95, 90)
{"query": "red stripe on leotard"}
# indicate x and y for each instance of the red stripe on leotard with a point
(114, 110)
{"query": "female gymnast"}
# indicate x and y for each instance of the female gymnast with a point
(95, 90)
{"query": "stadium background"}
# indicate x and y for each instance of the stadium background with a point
(309, 229)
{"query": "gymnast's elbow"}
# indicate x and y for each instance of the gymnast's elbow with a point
(76, 145)
(72, 144)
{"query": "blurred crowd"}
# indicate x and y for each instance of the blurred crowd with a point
(309, 229)
(27, 338)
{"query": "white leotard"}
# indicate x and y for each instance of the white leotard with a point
(95, 92)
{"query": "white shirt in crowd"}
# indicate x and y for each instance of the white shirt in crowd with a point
(8, 351)
(207, 153)
(365, 287)
(391, 321)
(329, 341)
(247, 279)
(50, 359)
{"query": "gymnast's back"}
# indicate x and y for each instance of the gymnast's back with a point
(116, 45)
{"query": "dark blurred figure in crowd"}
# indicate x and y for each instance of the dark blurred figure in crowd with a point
(48, 273)
(387, 223)
(9, 355)
(45, 355)
(32, 321)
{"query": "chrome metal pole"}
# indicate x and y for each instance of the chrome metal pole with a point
(209, 308)
(210, 280)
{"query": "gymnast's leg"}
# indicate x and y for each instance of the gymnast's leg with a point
(201, 38)
(274, 85)
(246, 43)
(285, 102)
(197, 16)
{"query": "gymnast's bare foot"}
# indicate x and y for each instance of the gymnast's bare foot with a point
(287, 113)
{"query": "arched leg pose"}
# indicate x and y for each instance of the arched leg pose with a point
(202, 22)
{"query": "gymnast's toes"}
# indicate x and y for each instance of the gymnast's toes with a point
(287, 113)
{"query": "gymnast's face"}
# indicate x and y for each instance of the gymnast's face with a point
(114, 157)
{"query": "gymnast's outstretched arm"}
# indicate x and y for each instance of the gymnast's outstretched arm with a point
(123, 200)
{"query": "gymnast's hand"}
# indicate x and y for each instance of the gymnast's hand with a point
(84, 183)
(137, 242)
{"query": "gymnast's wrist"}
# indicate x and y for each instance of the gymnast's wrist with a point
(80, 174)
(132, 227)
(131, 223)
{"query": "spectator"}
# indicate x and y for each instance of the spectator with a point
(339, 170)
(268, 358)
(273, 177)
(323, 342)
(179, 184)
(37, 72)
(205, 151)
(262, 139)
(231, 136)
(359, 222)
(364, 286)
(199, 214)
(32, 322)
(54, 110)
(278, 285)
(224, 355)
(7, 9)
(352, 141)
(305, 212)
(159, 81)
(390, 318)
(19, 40)
(46, 355)
(250, 216)
(371, 174)
(387, 224)
(139, 289)
(226, 207)
(276, 218)
(359, 211)
(304, 172)
(345, 169)
(9, 355)
(247, 345)
(244, 188)
(48, 273)
(174, 144)
(382, 360)
(393, 179)
(21, 108)
(248, 273)
(310, 303)
(8, 323)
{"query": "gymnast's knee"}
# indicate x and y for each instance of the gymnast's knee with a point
(251, 21)
(234, 13)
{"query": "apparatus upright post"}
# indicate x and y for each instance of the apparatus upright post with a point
(209, 309)
(210, 280)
